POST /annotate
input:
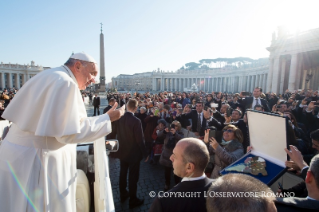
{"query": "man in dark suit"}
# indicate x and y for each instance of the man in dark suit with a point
(122, 100)
(311, 202)
(132, 150)
(96, 104)
(210, 100)
(198, 120)
(250, 102)
(141, 116)
(111, 103)
(190, 157)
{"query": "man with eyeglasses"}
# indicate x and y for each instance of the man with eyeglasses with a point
(38, 155)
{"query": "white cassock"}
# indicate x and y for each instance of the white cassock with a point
(38, 156)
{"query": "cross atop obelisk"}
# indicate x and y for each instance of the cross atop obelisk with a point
(102, 67)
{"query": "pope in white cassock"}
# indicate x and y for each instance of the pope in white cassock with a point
(38, 155)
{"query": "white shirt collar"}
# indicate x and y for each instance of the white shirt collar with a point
(194, 178)
(130, 112)
(311, 198)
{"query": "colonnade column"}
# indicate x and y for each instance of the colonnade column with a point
(252, 84)
(275, 76)
(240, 81)
(265, 82)
(299, 73)
(2, 81)
(175, 84)
(154, 84)
(17, 81)
(270, 72)
(282, 77)
(293, 72)
(9, 80)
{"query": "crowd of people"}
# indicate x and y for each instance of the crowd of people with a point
(220, 121)
(196, 135)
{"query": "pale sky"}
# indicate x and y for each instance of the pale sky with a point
(143, 35)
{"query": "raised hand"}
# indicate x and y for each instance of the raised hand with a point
(114, 113)
(304, 101)
(311, 105)
(296, 156)
(206, 136)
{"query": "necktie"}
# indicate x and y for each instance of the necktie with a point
(199, 124)
(257, 102)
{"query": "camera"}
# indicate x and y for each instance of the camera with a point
(229, 111)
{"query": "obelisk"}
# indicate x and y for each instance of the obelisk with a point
(102, 67)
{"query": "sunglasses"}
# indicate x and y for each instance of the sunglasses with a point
(228, 130)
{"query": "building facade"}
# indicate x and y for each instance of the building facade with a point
(294, 61)
(15, 75)
(225, 79)
(135, 82)
(293, 64)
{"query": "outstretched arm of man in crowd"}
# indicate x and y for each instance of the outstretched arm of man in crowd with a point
(296, 160)
(95, 127)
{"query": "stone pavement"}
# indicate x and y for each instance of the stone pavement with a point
(151, 179)
(151, 176)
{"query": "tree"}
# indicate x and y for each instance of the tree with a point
(192, 65)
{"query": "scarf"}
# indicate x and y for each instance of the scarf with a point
(224, 143)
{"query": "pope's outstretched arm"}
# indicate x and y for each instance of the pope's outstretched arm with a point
(93, 128)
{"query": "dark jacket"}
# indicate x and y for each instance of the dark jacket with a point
(107, 109)
(151, 123)
(131, 139)
(169, 144)
(185, 204)
(96, 101)
(248, 101)
(194, 116)
(142, 117)
(296, 204)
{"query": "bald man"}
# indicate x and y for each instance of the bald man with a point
(190, 157)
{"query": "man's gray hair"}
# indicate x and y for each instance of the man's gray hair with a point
(195, 152)
(314, 168)
(252, 194)
(143, 108)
